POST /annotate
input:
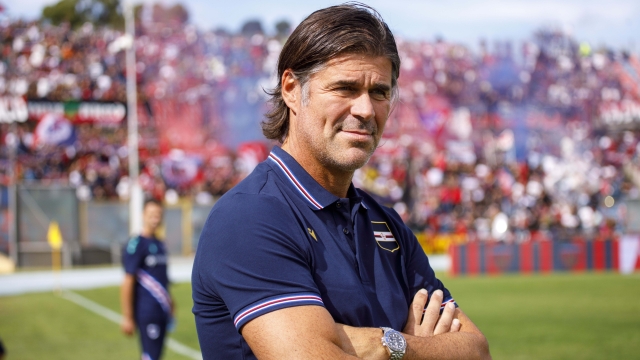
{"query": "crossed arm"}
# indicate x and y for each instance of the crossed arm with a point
(309, 332)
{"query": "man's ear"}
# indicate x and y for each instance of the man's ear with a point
(291, 91)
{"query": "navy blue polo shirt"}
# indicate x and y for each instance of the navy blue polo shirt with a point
(146, 259)
(279, 239)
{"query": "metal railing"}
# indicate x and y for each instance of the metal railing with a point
(93, 231)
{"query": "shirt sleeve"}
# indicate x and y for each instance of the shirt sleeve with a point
(132, 256)
(420, 275)
(252, 256)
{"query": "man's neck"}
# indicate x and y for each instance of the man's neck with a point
(334, 181)
(337, 184)
(148, 233)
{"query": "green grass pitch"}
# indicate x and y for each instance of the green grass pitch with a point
(561, 316)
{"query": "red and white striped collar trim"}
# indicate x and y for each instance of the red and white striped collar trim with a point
(301, 189)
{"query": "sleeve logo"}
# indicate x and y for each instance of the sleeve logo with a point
(384, 237)
(132, 245)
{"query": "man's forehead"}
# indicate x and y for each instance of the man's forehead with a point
(357, 65)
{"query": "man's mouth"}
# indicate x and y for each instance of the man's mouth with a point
(358, 132)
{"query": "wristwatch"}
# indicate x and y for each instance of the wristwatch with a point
(394, 342)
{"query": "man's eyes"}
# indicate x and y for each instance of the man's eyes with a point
(380, 94)
(377, 94)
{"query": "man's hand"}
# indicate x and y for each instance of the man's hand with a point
(432, 323)
(128, 326)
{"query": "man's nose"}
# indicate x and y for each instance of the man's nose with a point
(362, 107)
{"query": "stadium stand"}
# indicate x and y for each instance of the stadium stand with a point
(507, 144)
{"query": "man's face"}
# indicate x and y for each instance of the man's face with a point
(341, 121)
(152, 216)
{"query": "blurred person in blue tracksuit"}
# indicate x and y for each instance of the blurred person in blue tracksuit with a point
(144, 295)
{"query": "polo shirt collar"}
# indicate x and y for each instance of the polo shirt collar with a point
(306, 186)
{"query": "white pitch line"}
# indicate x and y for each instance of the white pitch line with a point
(94, 307)
(109, 314)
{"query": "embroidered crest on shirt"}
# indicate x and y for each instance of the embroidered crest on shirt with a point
(312, 233)
(384, 237)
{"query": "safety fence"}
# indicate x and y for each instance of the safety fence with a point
(92, 232)
(476, 258)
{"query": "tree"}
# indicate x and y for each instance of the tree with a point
(283, 28)
(252, 27)
(170, 14)
(77, 12)
(179, 13)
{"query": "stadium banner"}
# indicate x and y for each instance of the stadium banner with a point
(17, 109)
(438, 243)
(54, 130)
(624, 114)
(106, 113)
(629, 253)
(476, 258)
(179, 168)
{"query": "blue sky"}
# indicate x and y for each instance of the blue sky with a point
(612, 22)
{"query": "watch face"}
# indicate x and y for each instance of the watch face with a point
(396, 341)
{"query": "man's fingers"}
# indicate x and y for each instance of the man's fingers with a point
(455, 325)
(414, 318)
(444, 324)
(126, 330)
(432, 313)
(127, 327)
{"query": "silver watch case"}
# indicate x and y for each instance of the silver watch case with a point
(395, 342)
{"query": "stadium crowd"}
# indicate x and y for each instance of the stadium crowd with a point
(503, 144)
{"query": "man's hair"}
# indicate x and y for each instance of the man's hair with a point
(151, 201)
(351, 28)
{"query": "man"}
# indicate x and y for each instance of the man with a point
(296, 263)
(144, 294)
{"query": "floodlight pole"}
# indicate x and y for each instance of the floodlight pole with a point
(135, 195)
(13, 197)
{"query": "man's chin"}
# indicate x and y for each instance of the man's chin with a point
(353, 159)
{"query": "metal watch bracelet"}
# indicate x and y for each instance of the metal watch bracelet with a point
(393, 354)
